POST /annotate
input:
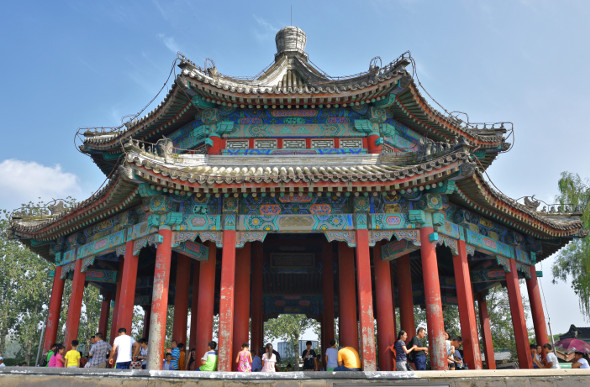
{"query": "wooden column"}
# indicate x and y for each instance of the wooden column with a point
(181, 293)
(365, 300)
(486, 332)
(532, 286)
(226, 302)
(521, 336)
(405, 296)
(75, 307)
(194, 305)
(393, 304)
(159, 312)
(328, 295)
(117, 300)
(147, 314)
(432, 298)
(385, 313)
(127, 292)
(242, 297)
(57, 292)
(347, 297)
(257, 290)
(469, 335)
(105, 308)
(206, 300)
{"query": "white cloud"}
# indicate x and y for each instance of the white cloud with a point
(24, 181)
(169, 42)
(265, 29)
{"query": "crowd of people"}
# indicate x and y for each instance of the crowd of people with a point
(126, 353)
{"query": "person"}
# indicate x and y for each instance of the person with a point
(92, 341)
(420, 349)
(580, 361)
(141, 352)
(57, 360)
(331, 356)
(457, 356)
(209, 359)
(191, 361)
(348, 360)
(2, 362)
(269, 359)
(182, 357)
(175, 354)
(536, 357)
(72, 357)
(256, 362)
(123, 346)
(244, 359)
(168, 364)
(451, 357)
(401, 352)
(99, 352)
(50, 353)
(309, 358)
(550, 358)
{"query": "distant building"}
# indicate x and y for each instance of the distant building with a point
(286, 349)
(580, 333)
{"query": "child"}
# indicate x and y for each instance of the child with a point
(209, 359)
(168, 366)
(269, 359)
(57, 360)
(451, 357)
(244, 359)
(72, 358)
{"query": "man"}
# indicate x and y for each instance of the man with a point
(331, 356)
(348, 360)
(175, 354)
(421, 350)
(123, 346)
(309, 358)
(580, 361)
(209, 359)
(550, 358)
(456, 355)
(99, 352)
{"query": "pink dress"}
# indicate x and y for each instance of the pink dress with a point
(58, 360)
(244, 362)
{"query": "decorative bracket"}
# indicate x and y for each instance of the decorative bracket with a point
(397, 249)
(87, 262)
(213, 236)
(449, 242)
(244, 237)
(409, 235)
(377, 235)
(152, 240)
(343, 236)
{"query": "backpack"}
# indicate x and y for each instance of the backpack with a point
(412, 355)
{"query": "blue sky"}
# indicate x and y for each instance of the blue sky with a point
(76, 64)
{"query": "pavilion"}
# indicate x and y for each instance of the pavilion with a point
(298, 192)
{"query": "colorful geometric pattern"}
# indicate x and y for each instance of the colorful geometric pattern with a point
(409, 235)
(213, 236)
(295, 222)
(397, 249)
(377, 235)
(103, 276)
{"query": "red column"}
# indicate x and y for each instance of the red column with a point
(54, 310)
(147, 314)
(75, 307)
(114, 318)
(434, 314)
(466, 309)
(521, 336)
(127, 293)
(206, 300)
(256, 307)
(105, 308)
(385, 312)
(392, 275)
(242, 303)
(405, 296)
(347, 297)
(486, 332)
(194, 304)
(372, 144)
(532, 286)
(328, 295)
(157, 336)
(181, 289)
(226, 300)
(365, 300)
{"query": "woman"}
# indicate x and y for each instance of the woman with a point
(268, 359)
(401, 352)
(192, 356)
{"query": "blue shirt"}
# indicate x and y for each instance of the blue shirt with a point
(400, 355)
(175, 356)
(256, 364)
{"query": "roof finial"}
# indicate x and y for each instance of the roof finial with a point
(290, 39)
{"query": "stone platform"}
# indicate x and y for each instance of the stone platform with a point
(60, 377)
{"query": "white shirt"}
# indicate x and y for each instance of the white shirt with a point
(583, 363)
(551, 358)
(124, 344)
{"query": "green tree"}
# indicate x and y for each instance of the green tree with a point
(289, 327)
(573, 261)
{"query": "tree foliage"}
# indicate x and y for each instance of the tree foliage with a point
(289, 327)
(573, 261)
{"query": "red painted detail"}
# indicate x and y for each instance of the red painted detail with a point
(242, 297)
(471, 350)
(256, 307)
(226, 301)
(57, 292)
(434, 313)
(105, 308)
(385, 311)
(147, 310)
(181, 292)
(365, 300)
(486, 332)
(279, 146)
(127, 293)
(372, 146)
(218, 145)
(365, 143)
(117, 300)
(328, 332)
(206, 300)
(532, 285)
(160, 300)
(75, 305)
(336, 142)
(308, 143)
(393, 304)
(521, 336)
(194, 304)
(347, 297)
(405, 296)
(251, 143)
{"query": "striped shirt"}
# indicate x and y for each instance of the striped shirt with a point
(99, 352)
